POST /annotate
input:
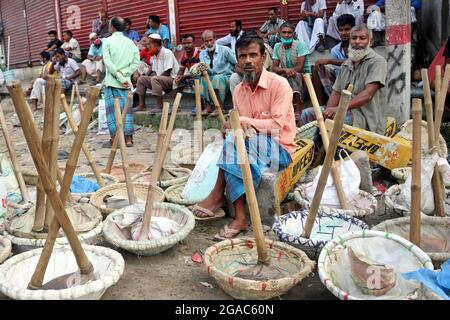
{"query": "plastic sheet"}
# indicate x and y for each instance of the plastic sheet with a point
(83, 185)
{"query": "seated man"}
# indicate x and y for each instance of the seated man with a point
(53, 43)
(155, 26)
(352, 7)
(221, 61)
(36, 86)
(311, 27)
(100, 25)
(93, 65)
(234, 35)
(191, 56)
(326, 70)
(131, 34)
(264, 102)
(269, 30)
(163, 70)
(67, 67)
(290, 60)
(71, 46)
(144, 56)
(367, 71)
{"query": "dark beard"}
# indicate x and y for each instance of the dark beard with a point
(235, 34)
(249, 77)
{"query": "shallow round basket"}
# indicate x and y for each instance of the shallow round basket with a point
(16, 272)
(393, 205)
(362, 205)
(402, 173)
(289, 228)
(432, 228)
(135, 168)
(406, 132)
(169, 176)
(5, 248)
(179, 214)
(109, 180)
(308, 131)
(381, 243)
(220, 261)
(120, 190)
(173, 195)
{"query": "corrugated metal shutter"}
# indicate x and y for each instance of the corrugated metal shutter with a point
(195, 16)
(77, 15)
(14, 22)
(39, 22)
(138, 11)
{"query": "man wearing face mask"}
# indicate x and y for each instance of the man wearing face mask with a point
(93, 65)
(163, 70)
(291, 60)
(221, 61)
(367, 71)
(234, 35)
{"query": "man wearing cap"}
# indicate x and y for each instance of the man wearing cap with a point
(163, 70)
(121, 57)
(93, 65)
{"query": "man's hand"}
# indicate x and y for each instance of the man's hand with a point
(225, 128)
(291, 73)
(249, 130)
(179, 79)
(321, 62)
(330, 112)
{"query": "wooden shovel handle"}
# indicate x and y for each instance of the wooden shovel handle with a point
(416, 173)
(212, 93)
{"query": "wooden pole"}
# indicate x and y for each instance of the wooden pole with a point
(326, 141)
(33, 141)
(250, 194)
(80, 102)
(53, 155)
(170, 127)
(437, 90)
(156, 170)
(84, 146)
(12, 154)
(414, 231)
(112, 154)
(329, 157)
(72, 98)
(212, 93)
(123, 151)
(198, 121)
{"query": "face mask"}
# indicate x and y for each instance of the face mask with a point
(152, 51)
(287, 41)
(213, 48)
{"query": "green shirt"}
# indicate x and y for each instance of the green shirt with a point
(302, 51)
(121, 57)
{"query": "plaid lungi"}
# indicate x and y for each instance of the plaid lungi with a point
(264, 154)
(220, 82)
(327, 75)
(111, 93)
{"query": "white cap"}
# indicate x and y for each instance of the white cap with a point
(155, 36)
(92, 35)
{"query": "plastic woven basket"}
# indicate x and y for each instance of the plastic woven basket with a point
(178, 175)
(173, 195)
(5, 248)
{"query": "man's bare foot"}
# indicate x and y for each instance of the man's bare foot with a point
(212, 203)
(238, 224)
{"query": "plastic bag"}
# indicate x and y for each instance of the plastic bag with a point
(376, 21)
(102, 121)
(11, 184)
(351, 180)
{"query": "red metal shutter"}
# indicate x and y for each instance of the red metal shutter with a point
(14, 23)
(77, 15)
(40, 20)
(138, 11)
(195, 16)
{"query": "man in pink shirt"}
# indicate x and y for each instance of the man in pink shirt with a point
(264, 102)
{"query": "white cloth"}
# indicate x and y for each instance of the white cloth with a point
(38, 88)
(73, 43)
(93, 66)
(355, 8)
(230, 40)
(164, 61)
(316, 7)
(310, 36)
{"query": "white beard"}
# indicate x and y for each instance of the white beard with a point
(212, 48)
(357, 55)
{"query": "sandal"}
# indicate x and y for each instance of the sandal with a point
(218, 214)
(227, 233)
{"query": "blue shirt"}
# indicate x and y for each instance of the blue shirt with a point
(132, 35)
(163, 31)
(95, 51)
(224, 60)
(337, 53)
(417, 4)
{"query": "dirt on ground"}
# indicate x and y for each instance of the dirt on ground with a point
(172, 274)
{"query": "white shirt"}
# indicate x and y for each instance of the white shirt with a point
(355, 8)
(73, 43)
(316, 7)
(164, 61)
(230, 40)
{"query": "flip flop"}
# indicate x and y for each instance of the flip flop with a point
(227, 233)
(218, 214)
(155, 111)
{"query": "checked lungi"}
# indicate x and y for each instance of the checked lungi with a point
(110, 93)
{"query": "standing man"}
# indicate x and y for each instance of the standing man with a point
(100, 26)
(367, 71)
(353, 7)
(155, 26)
(234, 35)
(311, 27)
(131, 34)
(264, 102)
(163, 70)
(71, 46)
(269, 30)
(121, 57)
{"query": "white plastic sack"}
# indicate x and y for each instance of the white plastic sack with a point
(102, 121)
(351, 180)
(376, 21)
(11, 184)
(204, 175)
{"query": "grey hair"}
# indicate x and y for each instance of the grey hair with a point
(361, 27)
(206, 32)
